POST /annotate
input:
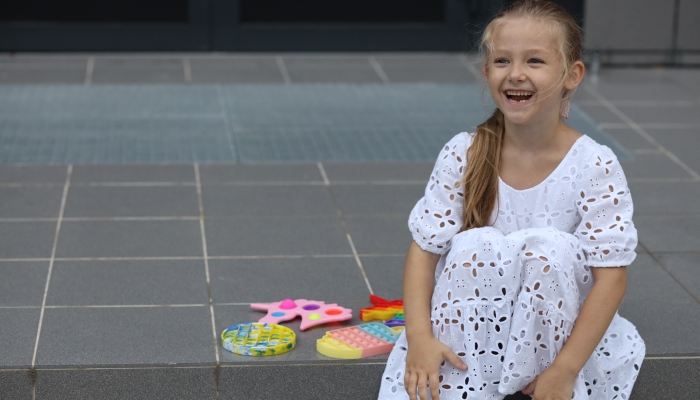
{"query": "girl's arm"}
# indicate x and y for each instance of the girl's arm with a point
(425, 352)
(593, 321)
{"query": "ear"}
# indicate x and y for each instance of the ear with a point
(486, 71)
(576, 75)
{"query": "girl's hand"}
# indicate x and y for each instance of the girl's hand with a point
(425, 354)
(554, 383)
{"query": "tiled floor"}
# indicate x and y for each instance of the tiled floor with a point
(126, 273)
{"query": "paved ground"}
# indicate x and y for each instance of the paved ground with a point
(148, 199)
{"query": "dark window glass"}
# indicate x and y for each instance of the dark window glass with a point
(95, 11)
(342, 11)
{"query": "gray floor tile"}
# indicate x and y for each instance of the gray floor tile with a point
(126, 336)
(358, 382)
(129, 239)
(685, 267)
(42, 61)
(601, 114)
(23, 283)
(425, 69)
(132, 201)
(17, 335)
(254, 69)
(111, 75)
(235, 75)
(681, 142)
(665, 197)
(648, 280)
(26, 239)
(30, 202)
(116, 384)
(99, 140)
(653, 318)
(145, 282)
(110, 102)
(661, 91)
(653, 166)
(630, 139)
(276, 236)
(305, 349)
(328, 279)
(667, 379)
(379, 235)
(396, 171)
(662, 114)
(43, 76)
(15, 384)
(394, 200)
(138, 70)
(346, 70)
(132, 173)
(267, 201)
(33, 174)
(385, 274)
(260, 173)
(669, 232)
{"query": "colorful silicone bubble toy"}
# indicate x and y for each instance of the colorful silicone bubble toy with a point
(359, 341)
(255, 339)
(390, 311)
(312, 312)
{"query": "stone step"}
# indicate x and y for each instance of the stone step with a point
(660, 378)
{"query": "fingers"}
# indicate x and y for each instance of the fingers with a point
(423, 387)
(435, 386)
(530, 389)
(410, 380)
(417, 386)
(454, 359)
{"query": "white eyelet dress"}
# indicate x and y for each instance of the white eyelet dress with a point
(507, 296)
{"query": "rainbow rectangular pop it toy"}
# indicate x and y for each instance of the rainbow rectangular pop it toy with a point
(359, 341)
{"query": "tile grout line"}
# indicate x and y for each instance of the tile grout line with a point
(187, 69)
(89, 70)
(283, 70)
(345, 227)
(225, 108)
(69, 172)
(217, 371)
(215, 183)
(649, 125)
(243, 365)
(378, 69)
(663, 267)
(640, 131)
(176, 258)
(206, 266)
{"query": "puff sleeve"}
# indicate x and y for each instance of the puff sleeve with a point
(606, 232)
(437, 216)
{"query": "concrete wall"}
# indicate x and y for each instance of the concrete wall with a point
(643, 31)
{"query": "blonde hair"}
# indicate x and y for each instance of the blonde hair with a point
(481, 177)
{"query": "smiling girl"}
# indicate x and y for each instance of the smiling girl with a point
(521, 241)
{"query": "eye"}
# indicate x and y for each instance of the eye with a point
(500, 60)
(535, 61)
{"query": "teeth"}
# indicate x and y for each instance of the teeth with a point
(517, 93)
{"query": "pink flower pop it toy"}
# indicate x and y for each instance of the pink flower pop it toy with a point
(312, 312)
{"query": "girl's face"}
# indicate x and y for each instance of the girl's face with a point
(524, 73)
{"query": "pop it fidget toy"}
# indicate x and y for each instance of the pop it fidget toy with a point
(359, 341)
(312, 312)
(255, 339)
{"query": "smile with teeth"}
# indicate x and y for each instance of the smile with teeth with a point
(518, 96)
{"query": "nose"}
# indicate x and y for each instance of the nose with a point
(516, 73)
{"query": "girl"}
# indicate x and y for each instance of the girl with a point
(521, 241)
